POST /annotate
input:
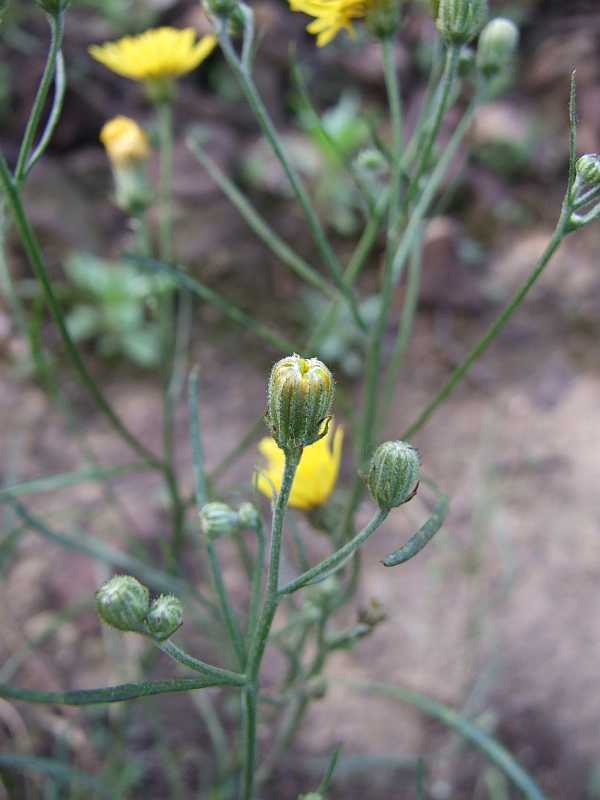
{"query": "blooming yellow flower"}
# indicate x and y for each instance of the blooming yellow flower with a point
(156, 55)
(332, 15)
(316, 475)
(125, 142)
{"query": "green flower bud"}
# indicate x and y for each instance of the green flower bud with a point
(123, 602)
(383, 18)
(299, 398)
(459, 21)
(393, 475)
(371, 161)
(497, 46)
(218, 519)
(165, 616)
(323, 595)
(588, 169)
(248, 516)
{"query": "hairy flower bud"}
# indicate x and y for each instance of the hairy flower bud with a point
(383, 17)
(371, 161)
(497, 46)
(588, 169)
(248, 516)
(218, 519)
(165, 616)
(459, 21)
(123, 602)
(53, 7)
(299, 398)
(393, 474)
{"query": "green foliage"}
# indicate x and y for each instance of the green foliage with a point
(115, 306)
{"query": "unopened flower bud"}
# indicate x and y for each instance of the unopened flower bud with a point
(588, 169)
(459, 21)
(218, 519)
(373, 614)
(393, 474)
(497, 46)
(299, 398)
(128, 149)
(322, 596)
(371, 161)
(248, 516)
(165, 616)
(383, 18)
(123, 602)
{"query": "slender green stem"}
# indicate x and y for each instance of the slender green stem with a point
(262, 115)
(165, 190)
(494, 329)
(60, 88)
(256, 589)
(405, 326)
(36, 259)
(263, 628)
(227, 611)
(170, 649)
(257, 223)
(328, 565)
(56, 22)
(393, 93)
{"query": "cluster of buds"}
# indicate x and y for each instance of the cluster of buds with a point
(393, 476)
(459, 21)
(218, 519)
(128, 150)
(124, 603)
(299, 399)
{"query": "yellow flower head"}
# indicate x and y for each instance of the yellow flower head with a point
(316, 475)
(125, 142)
(331, 16)
(158, 54)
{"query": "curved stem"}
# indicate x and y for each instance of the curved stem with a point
(60, 88)
(491, 333)
(170, 649)
(36, 259)
(264, 120)
(56, 22)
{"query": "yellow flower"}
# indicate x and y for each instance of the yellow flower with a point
(316, 475)
(158, 54)
(125, 141)
(332, 15)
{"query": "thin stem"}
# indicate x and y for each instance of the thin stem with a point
(263, 628)
(336, 559)
(262, 115)
(393, 94)
(36, 259)
(494, 329)
(227, 612)
(257, 223)
(256, 590)
(60, 88)
(56, 22)
(165, 190)
(170, 649)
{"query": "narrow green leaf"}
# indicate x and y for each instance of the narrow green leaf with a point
(424, 535)
(470, 732)
(61, 772)
(63, 480)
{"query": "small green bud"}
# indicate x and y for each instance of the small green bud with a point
(165, 616)
(497, 46)
(323, 595)
(459, 21)
(371, 161)
(588, 169)
(218, 519)
(393, 475)
(383, 18)
(466, 61)
(299, 398)
(248, 516)
(123, 602)
(222, 8)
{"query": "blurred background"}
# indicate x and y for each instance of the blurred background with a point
(500, 618)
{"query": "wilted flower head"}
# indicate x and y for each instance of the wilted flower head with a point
(315, 477)
(155, 55)
(125, 141)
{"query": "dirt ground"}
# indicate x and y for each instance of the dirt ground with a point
(500, 616)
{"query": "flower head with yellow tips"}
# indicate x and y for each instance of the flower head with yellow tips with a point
(125, 142)
(315, 477)
(332, 16)
(158, 54)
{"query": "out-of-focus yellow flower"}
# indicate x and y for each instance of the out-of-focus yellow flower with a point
(316, 475)
(331, 16)
(125, 142)
(156, 55)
